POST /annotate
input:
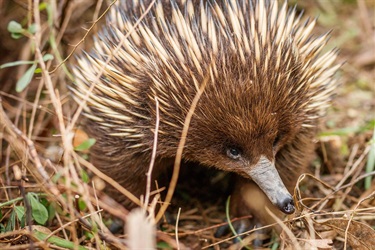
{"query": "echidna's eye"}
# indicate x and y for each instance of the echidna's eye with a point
(234, 153)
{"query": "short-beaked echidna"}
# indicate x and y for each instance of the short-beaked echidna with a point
(268, 84)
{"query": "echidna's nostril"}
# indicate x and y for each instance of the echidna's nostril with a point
(286, 205)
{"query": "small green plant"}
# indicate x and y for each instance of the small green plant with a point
(87, 144)
(16, 32)
(38, 211)
(24, 80)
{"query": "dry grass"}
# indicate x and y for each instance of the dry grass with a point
(52, 197)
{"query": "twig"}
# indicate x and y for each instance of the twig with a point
(108, 179)
(176, 228)
(352, 215)
(102, 69)
(28, 208)
(176, 168)
(84, 37)
(291, 236)
(153, 155)
(354, 167)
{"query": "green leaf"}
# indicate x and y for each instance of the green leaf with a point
(20, 212)
(89, 235)
(85, 176)
(51, 211)
(42, 6)
(47, 57)
(227, 205)
(85, 145)
(81, 204)
(56, 177)
(15, 27)
(11, 222)
(38, 211)
(16, 35)
(2, 228)
(57, 241)
(16, 63)
(163, 245)
(10, 202)
(38, 70)
(24, 81)
(32, 28)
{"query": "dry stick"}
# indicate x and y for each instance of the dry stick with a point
(28, 210)
(298, 194)
(176, 228)
(243, 234)
(351, 158)
(354, 167)
(49, 85)
(197, 232)
(61, 223)
(101, 223)
(46, 77)
(176, 168)
(271, 225)
(310, 227)
(35, 106)
(84, 37)
(347, 175)
(152, 206)
(4, 121)
(119, 243)
(66, 133)
(66, 15)
(26, 102)
(291, 236)
(81, 105)
(99, 4)
(343, 187)
(14, 132)
(110, 57)
(352, 215)
(108, 179)
(153, 156)
(334, 189)
(365, 19)
(68, 224)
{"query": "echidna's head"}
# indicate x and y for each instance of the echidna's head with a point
(243, 120)
(266, 81)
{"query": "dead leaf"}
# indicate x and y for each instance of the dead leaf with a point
(79, 137)
(360, 235)
(319, 243)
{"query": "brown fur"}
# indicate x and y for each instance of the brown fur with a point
(261, 105)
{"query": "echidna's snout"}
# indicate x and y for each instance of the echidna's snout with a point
(265, 175)
(287, 205)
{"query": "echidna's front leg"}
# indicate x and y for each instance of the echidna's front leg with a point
(249, 200)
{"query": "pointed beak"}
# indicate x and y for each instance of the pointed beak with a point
(265, 175)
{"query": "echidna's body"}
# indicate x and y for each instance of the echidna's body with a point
(268, 83)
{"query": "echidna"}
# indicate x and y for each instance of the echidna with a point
(268, 84)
